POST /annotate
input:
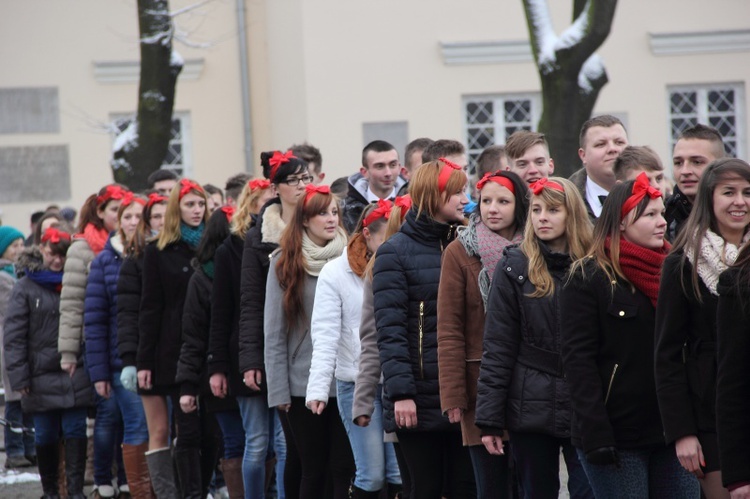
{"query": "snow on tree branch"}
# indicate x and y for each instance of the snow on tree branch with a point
(127, 140)
(591, 72)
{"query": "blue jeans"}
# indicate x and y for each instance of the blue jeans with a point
(18, 444)
(648, 472)
(254, 413)
(107, 441)
(135, 429)
(233, 433)
(277, 449)
(48, 425)
(375, 460)
(537, 459)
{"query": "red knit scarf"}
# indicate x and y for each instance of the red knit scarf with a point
(96, 238)
(642, 266)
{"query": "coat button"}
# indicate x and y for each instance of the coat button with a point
(622, 313)
(520, 278)
(184, 269)
(508, 269)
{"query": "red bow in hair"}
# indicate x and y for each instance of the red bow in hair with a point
(54, 235)
(110, 192)
(187, 186)
(154, 198)
(383, 210)
(498, 179)
(277, 160)
(403, 202)
(445, 172)
(259, 183)
(311, 190)
(641, 189)
(538, 186)
(228, 211)
(129, 198)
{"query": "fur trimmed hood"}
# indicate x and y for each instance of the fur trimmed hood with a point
(272, 226)
(30, 260)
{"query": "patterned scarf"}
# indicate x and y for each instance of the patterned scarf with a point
(96, 238)
(715, 256)
(642, 266)
(357, 254)
(317, 256)
(47, 279)
(191, 235)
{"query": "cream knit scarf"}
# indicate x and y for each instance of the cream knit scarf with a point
(317, 256)
(714, 257)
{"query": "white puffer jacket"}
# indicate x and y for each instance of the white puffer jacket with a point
(335, 328)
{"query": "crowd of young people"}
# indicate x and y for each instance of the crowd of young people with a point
(420, 334)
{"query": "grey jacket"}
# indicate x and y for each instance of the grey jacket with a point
(369, 375)
(288, 349)
(6, 286)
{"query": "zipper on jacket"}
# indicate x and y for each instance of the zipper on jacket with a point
(37, 303)
(296, 350)
(421, 338)
(611, 380)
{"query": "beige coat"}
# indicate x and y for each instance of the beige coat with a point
(77, 265)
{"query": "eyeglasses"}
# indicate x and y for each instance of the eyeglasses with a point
(294, 181)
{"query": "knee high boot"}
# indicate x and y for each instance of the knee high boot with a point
(136, 469)
(232, 469)
(188, 462)
(161, 471)
(48, 459)
(75, 466)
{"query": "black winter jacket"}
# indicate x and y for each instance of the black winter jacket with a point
(608, 357)
(521, 385)
(676, 210)
(224, 336)
(129, 286)
(166, 274)
(405, 287)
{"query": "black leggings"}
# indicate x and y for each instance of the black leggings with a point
(324, 451)
(432, 454)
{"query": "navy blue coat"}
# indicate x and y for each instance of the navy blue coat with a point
(128, 308)
(405, 287)
(100, 313)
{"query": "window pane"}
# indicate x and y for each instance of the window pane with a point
(683, 102)
(479, 138)
(479, 112)
(518, 111)
(720, 100)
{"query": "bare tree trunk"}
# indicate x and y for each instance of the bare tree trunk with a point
(571, 74)
(141, 148)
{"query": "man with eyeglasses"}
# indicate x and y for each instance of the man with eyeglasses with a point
(378, 178)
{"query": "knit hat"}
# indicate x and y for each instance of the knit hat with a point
(7, 236)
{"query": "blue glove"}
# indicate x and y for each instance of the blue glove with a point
(129, 378)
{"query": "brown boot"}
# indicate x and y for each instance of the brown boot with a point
(136, 469)
(232, 470)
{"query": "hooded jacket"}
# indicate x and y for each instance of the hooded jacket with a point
(356, 199)
(7, 281)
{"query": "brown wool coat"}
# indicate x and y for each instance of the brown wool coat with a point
(460, 332)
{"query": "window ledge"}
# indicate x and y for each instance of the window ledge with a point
(487, 52)
(703, 42)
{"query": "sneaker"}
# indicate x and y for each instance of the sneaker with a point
(13, 462)
(103, 491)
(124, 489)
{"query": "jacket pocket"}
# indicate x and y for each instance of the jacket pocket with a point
(611, 382)
(421, 339)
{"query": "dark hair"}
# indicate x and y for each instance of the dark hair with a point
(235, 184)
(212, 189)
(160, 175)
(340, 187)
(605, 120)
(90, 208)
(309, 154)
(376, 146)
(442, 149)
(521, 193)
(36, 216)
(45, 216)
(636, 157)
(291, 167)
(490, 160)
(704, 132)
(59, 248)
(217, 230)
(419, 144)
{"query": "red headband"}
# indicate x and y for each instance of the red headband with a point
(130, 198)
(54, 235)
(641, 189)
(538, 186)
(228, 211)
(277, 160)
(445, 172)
(110, 192)
(311, 190)
(498, 179)
(259, 184)
(403, 202)
(187, 186)
(154, 198)
(382, 211)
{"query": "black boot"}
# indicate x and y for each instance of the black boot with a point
(48, 460)
(394, 489)
(188, 462)
(75, 466)
(358, 493)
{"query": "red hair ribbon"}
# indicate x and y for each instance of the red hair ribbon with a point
(641, 189)
(311, 190)
(54, 235)
(277, 160)
(403, 202)
(383, 210)
(445, 172)
(110, 192)
(129, 198)
(154, 198)
(538, 186)
(498, 179)
(188, 185)
(228, 211)
(259, 183)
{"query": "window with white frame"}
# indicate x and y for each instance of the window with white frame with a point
(490, 120)
(178, 158)
(721, 106)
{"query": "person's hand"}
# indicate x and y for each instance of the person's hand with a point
(317, 407)
(493, 444)
(144, 379)
(405, 412)
(253, 378)
(129, 378)
(218, 383)
(24, 391)
(741, 492)
(187, 403)
(362, 421)
(690, 454)
(68, 367)
(103, 388)
(455, 415)
(604, 456)
(284, 407)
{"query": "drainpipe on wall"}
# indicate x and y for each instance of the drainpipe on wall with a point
(245, 86)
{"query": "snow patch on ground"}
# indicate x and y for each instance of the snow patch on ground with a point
(11, 477)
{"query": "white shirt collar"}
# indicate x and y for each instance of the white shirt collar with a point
(593, 191)
(372, 198)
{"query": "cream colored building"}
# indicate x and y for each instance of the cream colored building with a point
(337, 73)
